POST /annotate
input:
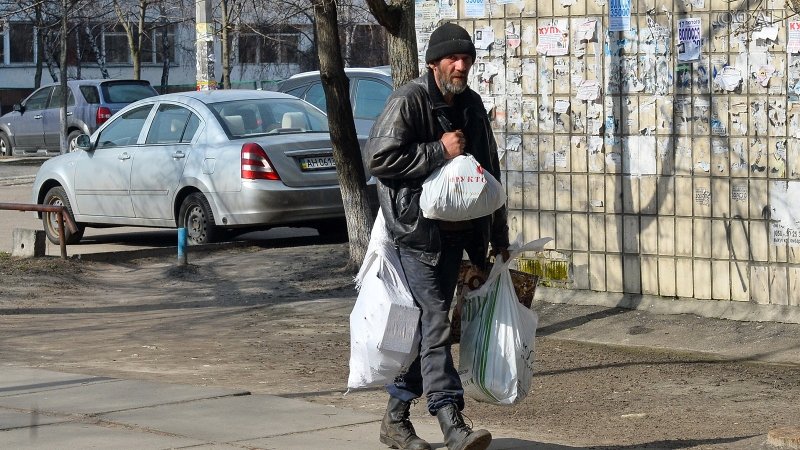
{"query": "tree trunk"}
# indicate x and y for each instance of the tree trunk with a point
(346, 150)
(225, 45)
(398, 20)
(62, 132)
(165, 61)
(37, 77)
(100, 57)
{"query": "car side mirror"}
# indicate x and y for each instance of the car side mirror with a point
(83, 142)
(17, 107)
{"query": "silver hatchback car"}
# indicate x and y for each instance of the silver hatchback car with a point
(207, 161)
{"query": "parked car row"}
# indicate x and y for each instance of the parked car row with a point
(33, 127)
(209, 161)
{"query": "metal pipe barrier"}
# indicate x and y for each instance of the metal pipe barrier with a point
(61, 216)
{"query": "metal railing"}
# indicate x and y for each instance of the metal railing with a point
(62, 216)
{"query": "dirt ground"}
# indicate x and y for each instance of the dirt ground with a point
(275, 320)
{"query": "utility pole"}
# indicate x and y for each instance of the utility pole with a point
(205, 46)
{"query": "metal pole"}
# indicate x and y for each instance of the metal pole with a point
(62, 241)
(205, 45)
(182, 259)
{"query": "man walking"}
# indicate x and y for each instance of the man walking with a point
(426, 122)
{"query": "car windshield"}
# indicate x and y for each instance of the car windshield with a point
(253, 117)
(127, 91)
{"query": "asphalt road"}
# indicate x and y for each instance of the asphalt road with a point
(15, 187)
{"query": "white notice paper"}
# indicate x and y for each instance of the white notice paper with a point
(561, 106)
(475, 8)
(690, 39)
(552, 41)
(619, 15)
(729, 78)
(793, 45)
(484, 37)
(589, 90)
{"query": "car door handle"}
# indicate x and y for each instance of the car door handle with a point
(38, 116)
(69, 113)
(124, 156)
(178, 155)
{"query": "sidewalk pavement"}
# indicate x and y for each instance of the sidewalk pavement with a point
(42, 409)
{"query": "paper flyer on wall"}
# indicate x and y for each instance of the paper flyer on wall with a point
(690, 39)
(475, 8)
(793, 43)
(553, 41)
(447, 9)
(426, 14)
(785, 213)
(619, 15)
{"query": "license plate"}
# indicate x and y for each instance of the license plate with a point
(317, 163)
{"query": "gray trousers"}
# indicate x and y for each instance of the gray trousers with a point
(433, 371)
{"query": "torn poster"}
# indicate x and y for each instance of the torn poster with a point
(793, 44)
(585, 31)
(553, 40)
(513, 39)
(690, 39)
(426, 14)
(561, 106)
(589, 90)
(763, 74)
(729, 78)
(767, 34)
(475, 8)
(447, 9)
(484, 38)
(619, 15)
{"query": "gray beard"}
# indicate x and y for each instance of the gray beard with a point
(452, 88)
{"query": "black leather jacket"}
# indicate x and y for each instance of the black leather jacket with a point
(404, 147)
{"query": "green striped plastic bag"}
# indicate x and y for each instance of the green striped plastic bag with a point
(497, 339)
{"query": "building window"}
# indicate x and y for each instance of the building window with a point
(280, 48)
(115, 45)
(21, 39)
(248, 48)
(269, 47)
(152, 51)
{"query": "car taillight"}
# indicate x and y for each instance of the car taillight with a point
(103, 114)
(256, 164)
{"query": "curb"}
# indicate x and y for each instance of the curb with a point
(13, 181)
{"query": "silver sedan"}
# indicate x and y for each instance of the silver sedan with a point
(207, 161)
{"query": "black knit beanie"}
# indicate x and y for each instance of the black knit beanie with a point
(449, 39)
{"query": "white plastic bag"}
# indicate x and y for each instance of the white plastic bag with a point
(497, 338)
(460, 190)
(384, 323)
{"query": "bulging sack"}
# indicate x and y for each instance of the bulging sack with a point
(497, 338)
(460, 190)
(384, 323)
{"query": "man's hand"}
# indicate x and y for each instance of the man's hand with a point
(502, 251)
(453, 143)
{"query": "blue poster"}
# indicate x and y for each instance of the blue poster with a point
(619, 15)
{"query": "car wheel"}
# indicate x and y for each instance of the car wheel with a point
(57, 196)
(196, 216)
(5, 145)
(71, 139)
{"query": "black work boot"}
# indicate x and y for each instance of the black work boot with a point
(396, 429)
(457, 434)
